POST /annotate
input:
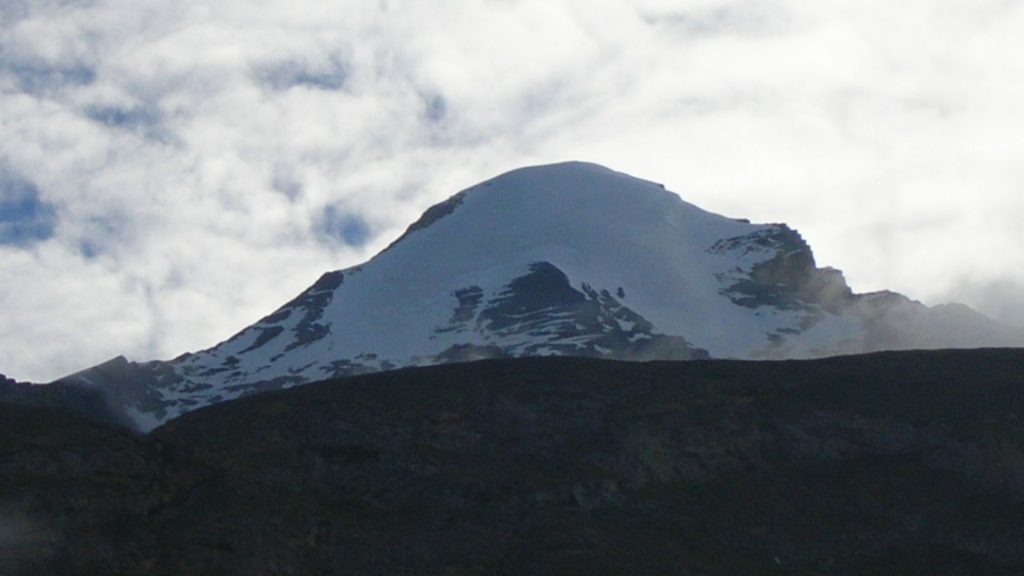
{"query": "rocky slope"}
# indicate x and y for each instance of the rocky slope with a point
(567, 260)
(906, 463)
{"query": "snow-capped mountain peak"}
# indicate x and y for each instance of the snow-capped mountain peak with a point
(563, 259)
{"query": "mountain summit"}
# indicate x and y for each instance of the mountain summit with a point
(568, 259)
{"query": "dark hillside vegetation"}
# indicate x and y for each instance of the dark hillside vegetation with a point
(892, 463)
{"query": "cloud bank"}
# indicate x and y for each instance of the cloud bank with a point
(172, 171)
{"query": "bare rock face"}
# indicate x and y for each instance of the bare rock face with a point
(789, 279)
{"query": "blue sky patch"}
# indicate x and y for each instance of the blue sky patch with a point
(142, 120)
(285, 75)
(342, 226)
(124, 117)
(34, 79)
(436, 108)
(24, 217)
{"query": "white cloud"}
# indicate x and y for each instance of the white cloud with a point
(199, 156)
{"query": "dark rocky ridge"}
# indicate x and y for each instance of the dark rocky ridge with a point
(894, 463)
(431, 215)
(84, 401)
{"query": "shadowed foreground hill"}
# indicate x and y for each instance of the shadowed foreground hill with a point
(893, 463)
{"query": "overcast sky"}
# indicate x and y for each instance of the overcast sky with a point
(172, 170)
